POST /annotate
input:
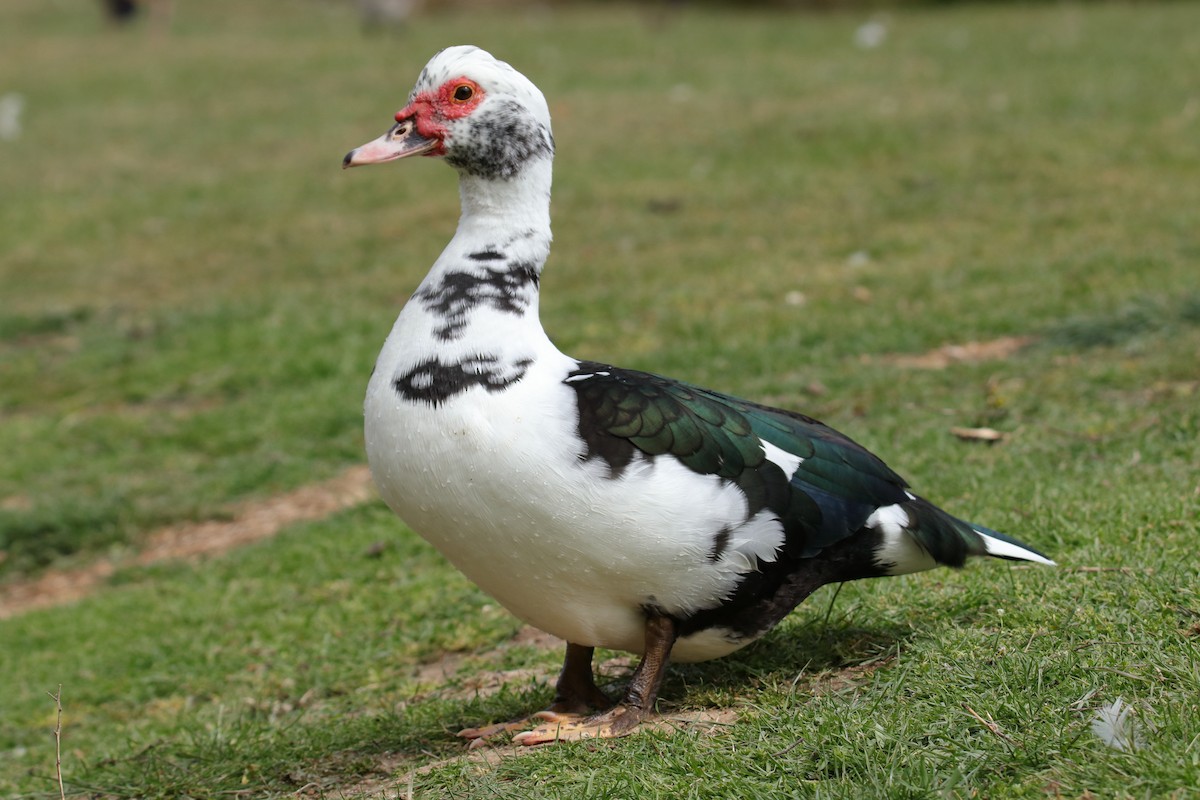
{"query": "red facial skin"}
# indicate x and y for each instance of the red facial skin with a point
(430, 110)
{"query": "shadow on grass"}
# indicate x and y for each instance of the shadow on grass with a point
(1142, 316)
(787, 656)
(784, 658)
(332, 743)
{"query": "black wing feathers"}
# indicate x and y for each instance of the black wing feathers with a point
(837, 485)
(657, 416)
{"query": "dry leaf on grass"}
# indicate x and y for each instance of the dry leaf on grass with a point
(966, 353)
(989, 435)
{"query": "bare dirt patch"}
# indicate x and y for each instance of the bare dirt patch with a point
(249, 522)
(846, 678)
(966, 353)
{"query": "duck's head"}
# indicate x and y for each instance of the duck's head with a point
(481, 115)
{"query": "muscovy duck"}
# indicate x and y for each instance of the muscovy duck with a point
(606, 506)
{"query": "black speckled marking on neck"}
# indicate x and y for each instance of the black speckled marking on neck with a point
(506, 289)
(434, 383)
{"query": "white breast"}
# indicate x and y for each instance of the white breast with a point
(496, 482)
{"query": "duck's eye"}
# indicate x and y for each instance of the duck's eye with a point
(463, 93)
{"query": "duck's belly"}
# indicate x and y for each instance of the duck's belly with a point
(495, 481)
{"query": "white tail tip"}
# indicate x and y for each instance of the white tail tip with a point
(1003, 549)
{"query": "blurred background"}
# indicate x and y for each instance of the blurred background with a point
(899, 217)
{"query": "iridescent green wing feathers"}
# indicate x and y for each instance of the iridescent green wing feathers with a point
(658, 417)
(829, 495)
(833, 462)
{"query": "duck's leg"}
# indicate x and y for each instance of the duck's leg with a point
(576, 690)
(575, 693)
(635, 706)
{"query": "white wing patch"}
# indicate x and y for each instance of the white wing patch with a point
(898, 553)
(890, 520)
(781, 458)
(708, 643)
(585, 376)
(1003, 549)
(756, 541)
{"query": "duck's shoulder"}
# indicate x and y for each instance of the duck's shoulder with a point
(625, 412)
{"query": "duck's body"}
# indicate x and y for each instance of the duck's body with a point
(549, 536)
(605, 506)
(473, 436)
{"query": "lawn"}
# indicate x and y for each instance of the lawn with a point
(192, 294)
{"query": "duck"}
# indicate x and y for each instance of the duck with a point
(609, 507)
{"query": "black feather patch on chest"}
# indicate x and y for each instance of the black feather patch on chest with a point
(434, 383)
(507, 289)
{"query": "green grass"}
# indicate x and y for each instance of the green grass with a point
(192, 295)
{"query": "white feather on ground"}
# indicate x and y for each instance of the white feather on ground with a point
(1117, 727)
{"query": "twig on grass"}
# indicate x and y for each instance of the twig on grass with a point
(1097, 643)
(57, 697)
(992, 726)
(1125, 674)
(1122, 570)
(788, 749)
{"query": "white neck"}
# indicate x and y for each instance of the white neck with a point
(482, 292)
(505, 208)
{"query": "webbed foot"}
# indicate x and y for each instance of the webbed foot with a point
(617, 721)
